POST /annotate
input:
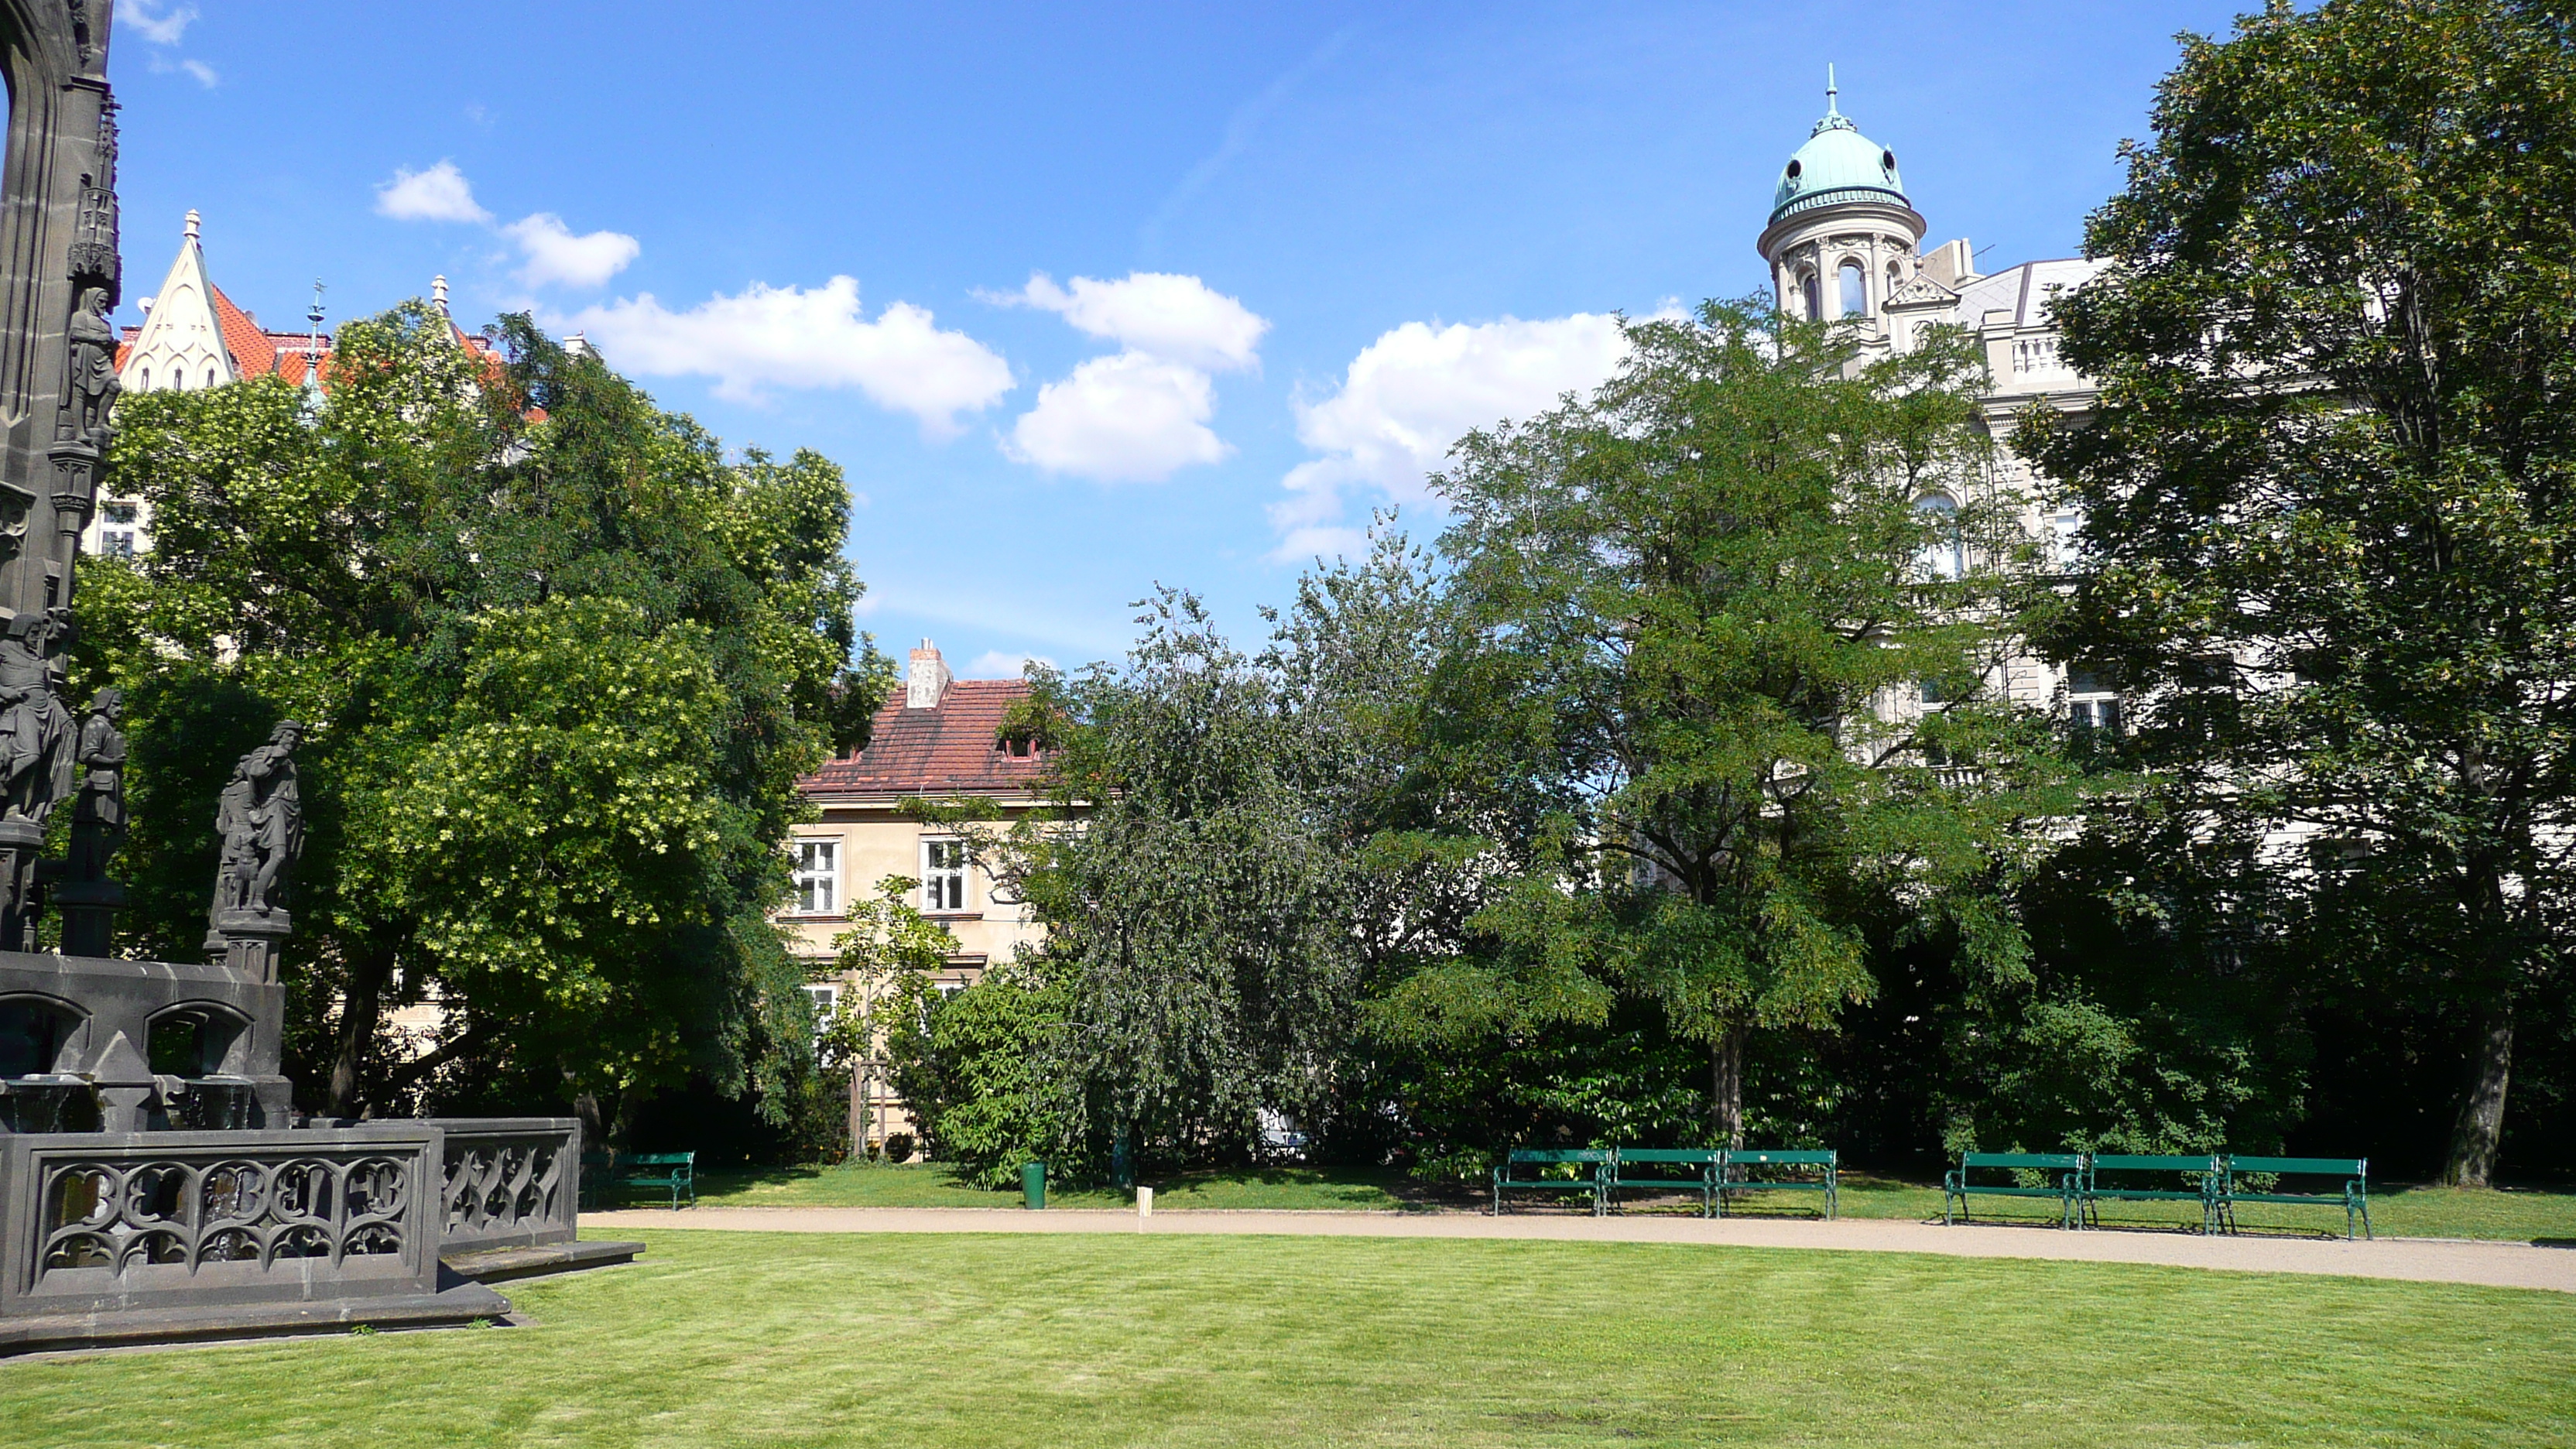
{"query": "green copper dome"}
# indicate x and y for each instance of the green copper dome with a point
(1838, 163)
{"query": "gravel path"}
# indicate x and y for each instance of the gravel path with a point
(2426, 1260)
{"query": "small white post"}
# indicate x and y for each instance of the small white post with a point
(1144, 1206)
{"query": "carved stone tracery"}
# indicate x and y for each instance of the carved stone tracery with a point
(130, 1212)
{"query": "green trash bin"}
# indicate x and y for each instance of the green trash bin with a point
(1033, 1185)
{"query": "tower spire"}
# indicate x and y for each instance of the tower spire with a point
(313, 347)
(1832, 108)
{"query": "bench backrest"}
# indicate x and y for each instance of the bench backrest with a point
(2137, 1162)
(658, 1159)
(2317, 1166)
(2041, 1160)
(1794, 1157)
(1691, 1156)
(1560, 1154)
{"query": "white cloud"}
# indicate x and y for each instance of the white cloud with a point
(995, 664)
(204, 73)
(163, 28)
(1126, 418)
(437, 194)
(1415, 391)
(556, 255)
(1179, 318)
(1141, 414)
(792, 337)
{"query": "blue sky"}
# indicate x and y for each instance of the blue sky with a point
(1087, 298)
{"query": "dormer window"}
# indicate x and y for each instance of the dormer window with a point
(1794, 168)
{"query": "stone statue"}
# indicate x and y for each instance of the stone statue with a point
(92, 379)
(35, 730)
(261, 819)
(98, 817)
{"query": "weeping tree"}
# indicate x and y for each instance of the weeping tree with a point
(2330, 489)
(1199, 940)
(1726, 647)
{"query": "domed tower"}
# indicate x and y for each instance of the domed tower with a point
(1842, 236)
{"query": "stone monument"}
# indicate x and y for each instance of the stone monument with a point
(155, 1180)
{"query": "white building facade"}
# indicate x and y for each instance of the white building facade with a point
(1844, 241)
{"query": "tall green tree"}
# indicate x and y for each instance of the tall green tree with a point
(1696, 616)
(563, 664)
(2330, 487)
(1197, 926)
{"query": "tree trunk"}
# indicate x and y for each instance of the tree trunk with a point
(594, 1128)
(2479, 1130)
(1726, 1087)
(361, 1008)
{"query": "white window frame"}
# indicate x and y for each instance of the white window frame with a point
(943, 886)
(809, 874)
(2065, 546)
(2091, 703)
(1945, 554)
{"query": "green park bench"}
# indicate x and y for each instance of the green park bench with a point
(1510, 1177)
(674, 1172)
(2354, 1197)
(2199, 1172)
(2068, 1167)
(1827, 1162)
(1667, 1169)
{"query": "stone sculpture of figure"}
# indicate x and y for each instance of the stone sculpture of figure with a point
(234, 811)
(93, 371)
(98, 818)
(261, 819)
(35, 729)
(279, 815)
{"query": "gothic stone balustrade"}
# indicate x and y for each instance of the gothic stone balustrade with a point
(114, 1222)
(511, 1182)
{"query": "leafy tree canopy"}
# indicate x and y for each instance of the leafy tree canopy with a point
(1693, 616)
(564, 664)
(2330, 485)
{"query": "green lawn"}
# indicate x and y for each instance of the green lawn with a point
(2415, 1212)
(1110, 1339)
(934, 1184)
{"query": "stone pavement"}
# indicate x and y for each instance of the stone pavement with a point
(2427, 1260)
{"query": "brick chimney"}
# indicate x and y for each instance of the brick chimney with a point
(926, 683)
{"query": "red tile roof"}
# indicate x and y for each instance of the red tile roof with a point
(256, 351)
(944, 751)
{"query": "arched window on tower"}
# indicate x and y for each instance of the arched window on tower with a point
(1814, 298)
(1895, 278)
(1945, 548)
(147, 381)
(1855, 290)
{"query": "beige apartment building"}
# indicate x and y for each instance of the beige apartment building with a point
(937, 738)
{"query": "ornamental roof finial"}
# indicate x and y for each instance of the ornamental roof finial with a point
(1831, 92)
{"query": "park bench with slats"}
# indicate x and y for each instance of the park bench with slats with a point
(673, 1172)
(1667, 1169)
(2199, 1172)
(1826, 1162)
(2062, 1172)
(2354, 1196)
(1526, 1169)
